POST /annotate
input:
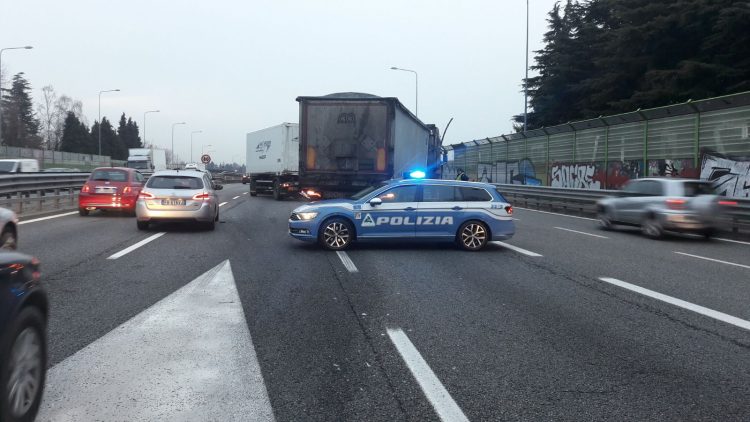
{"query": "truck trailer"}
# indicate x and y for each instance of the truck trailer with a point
(147, 160)
(273, 160)
(349, 141)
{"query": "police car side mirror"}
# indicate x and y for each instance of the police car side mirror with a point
(375, 201)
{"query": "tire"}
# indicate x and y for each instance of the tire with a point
(651, 228)
(83, 212)
(142, 225)
(336, 234)
(217, 214)
(708, 234)
(8, 239)
(253, 193)
(473, 235)
(27, 343)
(604, 218)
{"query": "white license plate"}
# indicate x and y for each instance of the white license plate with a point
(173, 202)
(105, 189)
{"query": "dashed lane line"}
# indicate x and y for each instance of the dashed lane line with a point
(236, 197)
(587, 234)
(47, 218)
(223, 203)
(732, 241)
(713, 260)
(244, 193)
(444, 405)
(136, 246)
(737, 322)
(517, 249)
(348, 263)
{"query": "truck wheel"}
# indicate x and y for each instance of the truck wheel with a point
(336, 234)
(253, 193)
(276, 190)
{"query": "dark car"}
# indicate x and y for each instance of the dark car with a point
(23, 337)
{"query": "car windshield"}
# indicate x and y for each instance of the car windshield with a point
(109, 175)
(140, 165)
(174, 182)
(366, 191)
(7, 166)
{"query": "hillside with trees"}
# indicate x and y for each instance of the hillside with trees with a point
(604, 57)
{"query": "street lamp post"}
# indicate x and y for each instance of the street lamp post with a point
(28, 47)
(144, 123)
(100, 116)
(191, 143)
(171, 161)
(416, 86)
(526, 79)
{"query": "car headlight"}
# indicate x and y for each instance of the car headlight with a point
(305, 216)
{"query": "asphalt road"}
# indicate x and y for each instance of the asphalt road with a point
(414, 331)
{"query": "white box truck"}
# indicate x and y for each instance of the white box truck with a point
(147, 160)
(273, 160)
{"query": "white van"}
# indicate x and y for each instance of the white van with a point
(19, 165)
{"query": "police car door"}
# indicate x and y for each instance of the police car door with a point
(440, 211)
(394, 217)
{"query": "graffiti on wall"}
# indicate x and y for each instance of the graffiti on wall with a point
(619, 172)
(576, 176)
(729, 177)
(516, 172)
(673, 168)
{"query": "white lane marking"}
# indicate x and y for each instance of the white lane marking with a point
(348, 263)
(244, 193)
(236, 197)
(47, 218)
(714, 260)
(732, 241)
(136, 246)
(587, 234)
(516, 219)
(517, 249)
(223, 203)
(441, 400)
(681, 303)
(190, 356)
(555, 213)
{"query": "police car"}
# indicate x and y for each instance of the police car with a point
(469, 213)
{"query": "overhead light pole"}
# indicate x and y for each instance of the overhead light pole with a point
(416, 86)
(100, 116)
(171, 161)
(28, 47)
(526, 78)
(191, 143)
(144, 123)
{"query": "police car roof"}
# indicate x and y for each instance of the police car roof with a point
(442, 182)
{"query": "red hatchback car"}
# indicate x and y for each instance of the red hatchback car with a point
(111, 188)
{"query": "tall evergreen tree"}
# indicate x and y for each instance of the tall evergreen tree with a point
(112, 145)
(75, 136)
(128, 133)
(20, 125)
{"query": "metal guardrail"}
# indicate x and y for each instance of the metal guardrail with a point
(38, 190)
(583, 202)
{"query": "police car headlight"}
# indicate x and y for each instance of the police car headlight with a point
(305, 216)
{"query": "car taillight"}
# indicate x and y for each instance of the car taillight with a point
(728, 203)
(675, 204)
(201, 197)
(127, 189)
(509, 210)
(86, 188)
(145, 195)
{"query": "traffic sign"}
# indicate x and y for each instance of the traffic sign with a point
(205, 158)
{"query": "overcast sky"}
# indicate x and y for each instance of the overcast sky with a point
(228, 68)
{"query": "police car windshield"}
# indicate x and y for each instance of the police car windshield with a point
(366, 191)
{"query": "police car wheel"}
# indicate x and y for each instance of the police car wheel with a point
(336, 234)
(473, 235)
